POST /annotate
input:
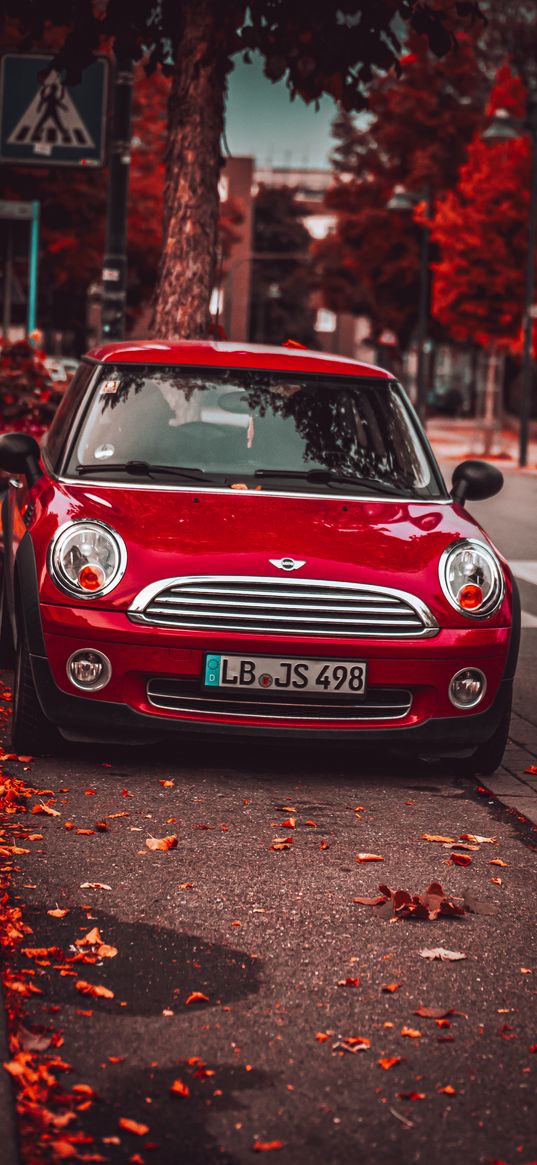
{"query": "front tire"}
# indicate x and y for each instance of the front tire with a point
(31, 731)
(7, 649)
(489, 755)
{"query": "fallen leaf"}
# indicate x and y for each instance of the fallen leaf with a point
(411, 1032)
(90, 792)
(498, 862)
(33, 1040)
(41, 808)
(122, 813)
(476, 838)
(526, 971)
(357, 1041)
(290, 823)
(348, 982)
(324, 845)
(162, 843)
(281, 843)
(461, 859)
(94, 886)
(312, 823)
(322, 1036)
(411, 1095)
(443, 954)
(167, 784)
(267, 1146)
(389, 988)
(497, 881)
(87, 832)
(133, 1126)
(532, 769)
(196, 997)
(101, 826)
(388, 1062)
(363, 857)
(448, 1089)
(186, 885)
(93, 989)
(438, 837)
(178, 1088)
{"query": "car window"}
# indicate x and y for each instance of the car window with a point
(241, 425)
(56, 437)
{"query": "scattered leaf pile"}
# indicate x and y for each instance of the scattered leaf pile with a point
(433, 903)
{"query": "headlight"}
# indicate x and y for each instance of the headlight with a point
(87, 559)
(471, 578)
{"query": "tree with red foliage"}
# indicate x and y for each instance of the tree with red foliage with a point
(316, 47)
(416, 137)
(481, 228)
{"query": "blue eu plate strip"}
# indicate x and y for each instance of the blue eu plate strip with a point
(213, 667)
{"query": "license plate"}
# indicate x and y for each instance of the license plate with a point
(254, 672)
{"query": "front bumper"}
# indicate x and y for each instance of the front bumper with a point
(123, 711)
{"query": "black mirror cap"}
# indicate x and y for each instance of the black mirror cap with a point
(475, 480)
(20, 453)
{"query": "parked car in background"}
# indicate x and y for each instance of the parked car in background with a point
(61, 369)
(232, 540)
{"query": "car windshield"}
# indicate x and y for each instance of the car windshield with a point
(259, 429)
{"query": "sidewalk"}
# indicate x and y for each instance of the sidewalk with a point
(456, 438)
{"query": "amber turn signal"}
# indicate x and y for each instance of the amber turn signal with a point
(91, 577)
(470, 597)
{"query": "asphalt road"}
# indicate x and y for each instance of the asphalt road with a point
(269, 935)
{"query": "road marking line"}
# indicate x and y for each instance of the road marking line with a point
(525, 569)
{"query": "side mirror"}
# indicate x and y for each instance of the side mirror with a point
(20, 453)
(475, 480)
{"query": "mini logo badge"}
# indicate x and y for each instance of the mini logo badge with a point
(286, 563)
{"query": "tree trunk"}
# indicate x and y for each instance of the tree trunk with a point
(195, 125)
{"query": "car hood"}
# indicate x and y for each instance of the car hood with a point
(178, 532)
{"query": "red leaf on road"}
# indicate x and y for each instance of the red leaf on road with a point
(133, 1126)
(178, 1088)
(461, 859)
(364, 857)
(391, 987)
(267, 1146)
(162, 843)
(388, 1062)
(196, 997)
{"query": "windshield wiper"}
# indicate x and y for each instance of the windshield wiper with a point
(143, 469)
(328, 476)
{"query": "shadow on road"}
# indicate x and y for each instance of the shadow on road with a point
(155, 968)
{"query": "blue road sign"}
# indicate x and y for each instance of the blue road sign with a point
(45, 122)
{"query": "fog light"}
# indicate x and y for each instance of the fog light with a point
(467, 687)
(89, 670)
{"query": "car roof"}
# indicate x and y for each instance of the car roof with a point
(233, 354)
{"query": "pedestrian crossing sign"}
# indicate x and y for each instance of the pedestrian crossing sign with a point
(43, 120)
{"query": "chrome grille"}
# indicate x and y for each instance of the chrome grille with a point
(178, 695)
(271, 606)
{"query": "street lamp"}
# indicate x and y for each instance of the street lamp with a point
(505, 128)
(405, 200)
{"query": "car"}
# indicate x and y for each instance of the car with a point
(61, 369)
(229, 540)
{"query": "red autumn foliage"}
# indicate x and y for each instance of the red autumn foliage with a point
(481, 228)
(421, 125)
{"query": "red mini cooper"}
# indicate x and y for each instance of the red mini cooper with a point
(228, 539)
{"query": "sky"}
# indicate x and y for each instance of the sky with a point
(262, 121)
